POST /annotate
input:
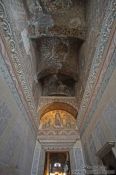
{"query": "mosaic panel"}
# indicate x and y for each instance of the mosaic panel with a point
(57, 119)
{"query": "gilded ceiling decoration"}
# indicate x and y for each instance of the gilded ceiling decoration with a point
(58, 29)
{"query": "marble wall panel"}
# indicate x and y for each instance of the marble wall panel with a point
(99, 136)
(86, 155)
(41, 164)
(17, 136)
(109, 116)
(36, 159)
(102, 127)
(5, 116)
(92, 150)
(77, 160)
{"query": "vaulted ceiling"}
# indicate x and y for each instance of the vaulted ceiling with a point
(58, 29)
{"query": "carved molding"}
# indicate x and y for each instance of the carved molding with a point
(57, 148)
(49, 100)
(58, 138)
(59, 132)
(56, 31)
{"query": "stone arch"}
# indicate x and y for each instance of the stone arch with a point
(58, 106)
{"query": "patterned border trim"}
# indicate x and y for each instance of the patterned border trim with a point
(15, 60)
(104, 83)
(98, 60)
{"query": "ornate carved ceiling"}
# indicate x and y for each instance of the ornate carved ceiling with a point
(56, 5)
(58, 55)
(57, 65)
(64, 18)
(57, 29)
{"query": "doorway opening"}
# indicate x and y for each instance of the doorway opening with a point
(57, 163)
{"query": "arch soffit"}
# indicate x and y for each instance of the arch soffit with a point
(58, 106)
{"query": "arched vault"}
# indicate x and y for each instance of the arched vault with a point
(57, 106)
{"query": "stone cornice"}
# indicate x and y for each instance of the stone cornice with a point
(79, 33)
(58, 138)
(47, 100)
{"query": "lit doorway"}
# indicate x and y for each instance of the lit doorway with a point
(57, 163)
